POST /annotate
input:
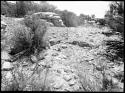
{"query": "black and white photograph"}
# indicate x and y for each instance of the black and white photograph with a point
(62, 46)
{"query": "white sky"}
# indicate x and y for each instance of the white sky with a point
(98, 8)
(86, 7)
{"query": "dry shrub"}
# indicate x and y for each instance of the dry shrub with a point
(19, 39)
(27, 36)
(115, 50)
(38, 28)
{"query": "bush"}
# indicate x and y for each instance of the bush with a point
(115, 20)
(8, 9)
(27, 38)
(69, 18)
(115, 16)
(101, 22)
(115, 50)
(38, 28)
(20, 39)
(22, 8)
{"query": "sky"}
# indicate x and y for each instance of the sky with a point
(98, 8)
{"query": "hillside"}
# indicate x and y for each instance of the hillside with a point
(76, 60)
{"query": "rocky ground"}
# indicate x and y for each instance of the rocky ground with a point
(75, 61)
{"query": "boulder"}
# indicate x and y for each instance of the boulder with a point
(50, 17)
(7, 66)
(3, 25)
(5, 55)
(3, 29)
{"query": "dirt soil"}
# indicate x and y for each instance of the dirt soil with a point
(75, 61)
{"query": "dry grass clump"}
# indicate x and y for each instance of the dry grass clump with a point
(115, 50)
(20, 39)
(27, 36)
(38, 28)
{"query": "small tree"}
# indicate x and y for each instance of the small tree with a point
(115, 19)
(115, 16)
(93, 16)
(69, 18)
(20, 8)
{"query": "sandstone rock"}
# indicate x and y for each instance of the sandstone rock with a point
(76, 87)
(67, 88)
(61, 56)
(59, 83)
(115, 81)
(2, 16)
(121, 85)
(5, 55)
(3, 31)
(72, 82)
(9, 76)
(34, 58)
(7, 66)
(3, 25)
(67, 77)
(51, 18)
(55, 54)
(49, 24)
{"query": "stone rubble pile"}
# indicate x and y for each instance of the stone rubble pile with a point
(51, 18)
